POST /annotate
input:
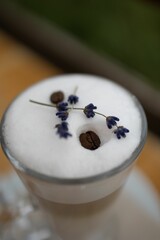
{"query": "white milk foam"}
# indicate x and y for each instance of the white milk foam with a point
(31, 137)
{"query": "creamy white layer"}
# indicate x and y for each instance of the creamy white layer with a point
(31, 137)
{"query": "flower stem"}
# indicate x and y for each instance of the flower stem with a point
(44, 104)
(100, 114)
(77, 108)
(75, 89)
(69, 108)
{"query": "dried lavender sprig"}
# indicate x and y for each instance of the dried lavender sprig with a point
(62, 130)
(111, 121)
(121, 132)
(70, 108)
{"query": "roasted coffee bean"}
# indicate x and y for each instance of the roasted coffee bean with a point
(57, 97)
(89, 140)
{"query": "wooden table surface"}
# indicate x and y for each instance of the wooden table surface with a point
(20, 67)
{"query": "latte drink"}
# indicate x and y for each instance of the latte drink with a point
(52, 144)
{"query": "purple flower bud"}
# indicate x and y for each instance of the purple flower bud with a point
(62, 130)
(88, 110)
(111, 121)
(62, 106)
(63, 115)
(121, 132)
(73, 99)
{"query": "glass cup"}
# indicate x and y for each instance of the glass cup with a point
(80, 208)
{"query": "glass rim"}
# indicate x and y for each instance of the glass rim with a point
(81, 180)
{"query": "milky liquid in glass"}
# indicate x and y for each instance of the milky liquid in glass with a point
(79, 207)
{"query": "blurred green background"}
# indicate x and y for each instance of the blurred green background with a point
(127, 30)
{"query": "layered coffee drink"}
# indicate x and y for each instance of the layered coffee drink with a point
(73, 140)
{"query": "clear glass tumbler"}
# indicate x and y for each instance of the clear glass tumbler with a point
(78, 208)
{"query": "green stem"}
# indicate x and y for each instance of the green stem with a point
(77, 108)
(51, 105)
(44, 104)
(100, 114)
(69, 108)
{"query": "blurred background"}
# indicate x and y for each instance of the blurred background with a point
(116, 39)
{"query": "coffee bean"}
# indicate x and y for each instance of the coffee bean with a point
(90, 140)
(57, 97)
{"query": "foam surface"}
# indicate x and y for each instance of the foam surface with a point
(31, 137)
